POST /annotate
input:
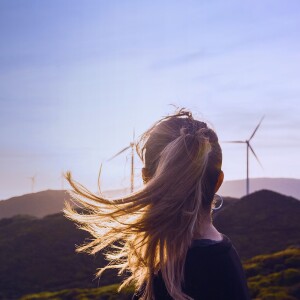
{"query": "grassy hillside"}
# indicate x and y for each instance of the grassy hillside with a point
(109, 292)
(273, 276)
(39, 254)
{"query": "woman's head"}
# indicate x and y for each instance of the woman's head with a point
(156, 224)
(182, 126)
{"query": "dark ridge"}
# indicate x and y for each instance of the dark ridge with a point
(262, 222)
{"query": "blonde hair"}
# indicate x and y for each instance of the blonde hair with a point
(151, 229)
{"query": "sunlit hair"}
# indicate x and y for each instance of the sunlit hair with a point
(152, 228)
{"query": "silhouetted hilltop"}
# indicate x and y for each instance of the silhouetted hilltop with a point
(36, 204)
(285, 186)
(262, 222)
(43, 203)
(50, 202)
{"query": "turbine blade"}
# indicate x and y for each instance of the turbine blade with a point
(133, 140)
(123, 150)
(99, 175)
(233, 142)
(255, 155)
(252, 135)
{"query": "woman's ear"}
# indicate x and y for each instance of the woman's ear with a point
(220, 181)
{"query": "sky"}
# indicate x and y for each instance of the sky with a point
(78, 77)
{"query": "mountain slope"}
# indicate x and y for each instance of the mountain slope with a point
(261, 222)
(36, 204)
(50, 202)
(270, 276)
(285, 186)
(39, 254)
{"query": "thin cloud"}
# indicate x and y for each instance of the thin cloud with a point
(244, 43)
(183, 59)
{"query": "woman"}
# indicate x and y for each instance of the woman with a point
(162, 235)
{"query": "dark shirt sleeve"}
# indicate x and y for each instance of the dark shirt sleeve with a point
(237, 278)
(218, 277)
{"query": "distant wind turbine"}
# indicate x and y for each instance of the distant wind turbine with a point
(247, 142)
(131, 145)
(62, 178)
(33, 179)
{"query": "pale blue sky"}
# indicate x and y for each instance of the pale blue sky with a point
(77, 76)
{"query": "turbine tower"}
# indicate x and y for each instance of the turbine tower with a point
(32, 178)
(62, 178)
(247, 142)
(131, 145)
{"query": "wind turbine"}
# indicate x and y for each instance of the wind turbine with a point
(247, 142)
(62, 178)
(131, 145)
(32, 178)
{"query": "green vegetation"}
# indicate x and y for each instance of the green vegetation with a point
(38, 255)
(109, 292)
(274, 276)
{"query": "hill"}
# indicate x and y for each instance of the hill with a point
(269, 276)
(262, 222)
(50, 202)
(36, 204)
(42, 203)
(285, 186)
(38, 254)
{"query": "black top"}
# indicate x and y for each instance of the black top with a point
(213, 271)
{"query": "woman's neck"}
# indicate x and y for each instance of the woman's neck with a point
(206, 230)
